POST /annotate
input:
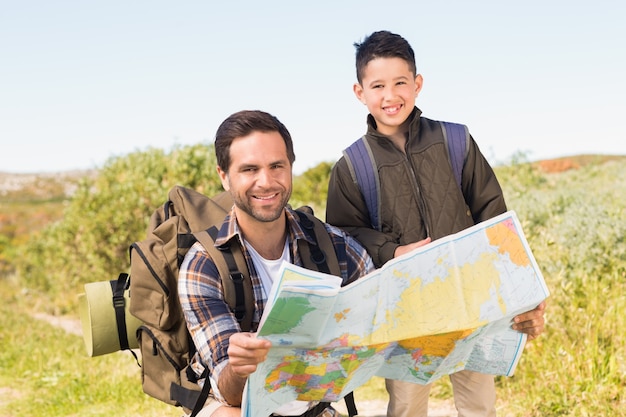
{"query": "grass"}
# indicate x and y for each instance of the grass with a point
(46, 372)
(575, 223)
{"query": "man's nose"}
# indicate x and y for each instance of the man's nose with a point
(264, 177)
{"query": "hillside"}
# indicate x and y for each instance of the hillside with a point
(570, 215)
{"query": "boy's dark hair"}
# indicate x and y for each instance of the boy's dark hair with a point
(383, 44)
(242, 124)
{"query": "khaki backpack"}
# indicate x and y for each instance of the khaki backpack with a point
(164, 342)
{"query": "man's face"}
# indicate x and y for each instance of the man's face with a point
(259, 177)
(388, 88)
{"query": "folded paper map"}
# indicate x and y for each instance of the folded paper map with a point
(439, 309)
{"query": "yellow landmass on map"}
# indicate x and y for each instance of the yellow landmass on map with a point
(438, 345)
(504, 236)
(447, 304)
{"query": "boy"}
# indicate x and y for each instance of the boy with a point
(419, 198)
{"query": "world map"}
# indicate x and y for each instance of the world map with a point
(442, 308)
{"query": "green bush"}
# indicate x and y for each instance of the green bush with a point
(107, 214)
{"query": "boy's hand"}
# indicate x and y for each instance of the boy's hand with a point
(532, 322)
(401, 250)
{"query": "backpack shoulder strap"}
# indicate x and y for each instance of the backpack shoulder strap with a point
(320, 256)
(362, 166)
(235, 276)
(456, 139)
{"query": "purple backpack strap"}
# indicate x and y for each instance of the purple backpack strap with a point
(363, 169)
(456, 138)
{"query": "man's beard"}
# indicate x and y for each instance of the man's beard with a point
(264, 215)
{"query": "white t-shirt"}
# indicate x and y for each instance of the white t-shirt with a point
(267, 270)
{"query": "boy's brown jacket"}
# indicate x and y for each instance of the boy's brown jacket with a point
(419, 196)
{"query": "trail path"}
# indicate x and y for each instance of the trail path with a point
(378, 408)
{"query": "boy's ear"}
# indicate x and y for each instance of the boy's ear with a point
(358, 92)
(419, 81)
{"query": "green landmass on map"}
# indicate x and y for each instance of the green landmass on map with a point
(286, 314)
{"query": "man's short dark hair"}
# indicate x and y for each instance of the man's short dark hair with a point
(243, 123)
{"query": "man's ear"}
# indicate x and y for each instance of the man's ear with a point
(358, 92)
(224, 178)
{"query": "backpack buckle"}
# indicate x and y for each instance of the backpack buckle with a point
(318, 257)
(237, 277)
(118, 301)
(239, 312)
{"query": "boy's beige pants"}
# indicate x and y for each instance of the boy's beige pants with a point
(474, 396)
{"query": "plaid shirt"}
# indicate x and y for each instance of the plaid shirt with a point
(209, 318)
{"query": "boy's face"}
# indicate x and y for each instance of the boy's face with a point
(259, 177)
(388, 88)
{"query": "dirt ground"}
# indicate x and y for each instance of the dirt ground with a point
(378, 408)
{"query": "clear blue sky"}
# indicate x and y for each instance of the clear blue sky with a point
(81, 81)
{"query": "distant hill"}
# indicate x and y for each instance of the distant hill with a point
(40, 186)
(574, 162)
(55, 185)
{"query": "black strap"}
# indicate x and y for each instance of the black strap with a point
(350, 404)
(119, 304)
(186, 397)
(235, 276)
(317, 255)
(204, 394)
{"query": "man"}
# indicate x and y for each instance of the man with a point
(255, 157)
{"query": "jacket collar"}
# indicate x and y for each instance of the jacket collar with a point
(414, 120)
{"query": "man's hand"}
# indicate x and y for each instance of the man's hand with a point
(245, 352)
(401, 250)
(532, 322)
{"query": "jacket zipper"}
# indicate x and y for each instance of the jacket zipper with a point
(417, 188)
